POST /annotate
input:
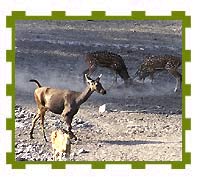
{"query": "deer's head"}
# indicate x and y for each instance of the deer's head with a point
(141, 73)
(95, 85)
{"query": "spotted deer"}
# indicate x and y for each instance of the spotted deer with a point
(153, 64)
(63, 102)
(108, 60)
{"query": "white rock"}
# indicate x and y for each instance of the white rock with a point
(82, 151)
(79, 121)
(102, 108)
(19, 125)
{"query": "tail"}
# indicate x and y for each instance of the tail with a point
(37, 83)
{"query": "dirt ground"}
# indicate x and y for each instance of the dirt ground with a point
(142, 122)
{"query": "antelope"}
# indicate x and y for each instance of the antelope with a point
(63, 102)
(108, 60)
(61, 143)
(153, 64)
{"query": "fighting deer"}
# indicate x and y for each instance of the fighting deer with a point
(63, 102)
(61, 144)
(108, 60)
(153, 64)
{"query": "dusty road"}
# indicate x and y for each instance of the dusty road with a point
(143, 122)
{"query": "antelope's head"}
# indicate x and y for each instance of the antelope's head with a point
(95, 85)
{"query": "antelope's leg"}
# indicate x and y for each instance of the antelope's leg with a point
(33, 124)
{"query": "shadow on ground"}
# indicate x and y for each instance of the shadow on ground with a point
(130, 142)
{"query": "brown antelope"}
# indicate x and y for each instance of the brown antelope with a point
(153, 64)
(108, 60)
(61, 143)
(63, 102)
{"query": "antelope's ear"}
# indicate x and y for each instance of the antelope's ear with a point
(98, 78)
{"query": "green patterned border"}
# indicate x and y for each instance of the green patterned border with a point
(99, 15)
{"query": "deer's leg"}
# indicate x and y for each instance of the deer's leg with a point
(151, 77)
(115, 79)
(42, 124)
(37, 116)
(115, 73)
(69, 127)
(143, 79)
(178, 78)
(40, 114)
(66, 116)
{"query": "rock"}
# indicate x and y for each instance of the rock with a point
(45, 159)
(102, 108)
(21, 159)
(172, 112)
(98, 130)
(19, 151)
(99, 145)
(31, 115)
(80, 126)
(82, 151)
(17, 119)
(21, 115)
(79, 121)
(28, 156)
(29, 148)
(178, 111)
(41, 152)
(72, 156)
(19, 125)
(18, 108)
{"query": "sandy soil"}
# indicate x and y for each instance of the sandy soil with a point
(142, 122)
